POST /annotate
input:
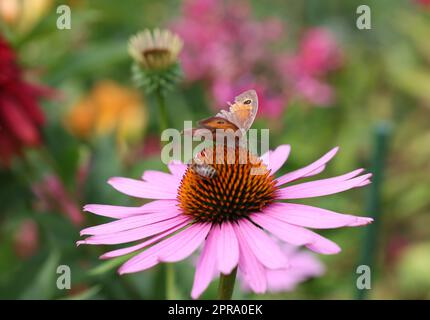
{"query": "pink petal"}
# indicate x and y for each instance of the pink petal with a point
(206, 265)
(266, 157)
(303, 265)
(175, 248)
(135, 234)
(264, 248)
(312, 217)
(123, 212)
(364, 183)
(321, 187)
(253, 271)
(289, 233)
(295, 235)
(309, 169)
(227, 247)
(315, 172)
(306, 264)
(323, 245)
(131, 222)
(275, 159)
(141, 189)
(177, 168)
(124, 251)
(161, 178)
(174, 254)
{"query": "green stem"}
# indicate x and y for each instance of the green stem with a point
(226, 285)
(374, 208)
(170, 282)
(168, 270)
(163, 117)
(165, 286)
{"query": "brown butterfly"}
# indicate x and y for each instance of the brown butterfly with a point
(239, 119)
(240, 116)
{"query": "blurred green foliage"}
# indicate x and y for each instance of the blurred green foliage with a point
(386, 77)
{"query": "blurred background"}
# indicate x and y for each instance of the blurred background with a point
(71, 117)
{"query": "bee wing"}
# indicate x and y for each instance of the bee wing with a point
(241, 114)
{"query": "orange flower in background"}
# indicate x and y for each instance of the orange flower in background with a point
(108, 107)
(22, 15)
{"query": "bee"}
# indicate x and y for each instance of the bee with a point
(204, 170)
(201, 168)
(237, 120)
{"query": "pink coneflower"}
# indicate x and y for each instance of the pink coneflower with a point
(231, 215)
(301, 266)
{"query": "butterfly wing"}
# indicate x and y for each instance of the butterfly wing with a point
(243, 111)
(217, 123)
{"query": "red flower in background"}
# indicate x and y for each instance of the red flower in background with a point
(20, 115)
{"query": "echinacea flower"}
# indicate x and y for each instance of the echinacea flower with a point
(21, 117)
(155, 54)
(231, 215)
(155, 50)
(302, 265)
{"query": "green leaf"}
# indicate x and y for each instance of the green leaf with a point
(110, 265)
(105, 163)
(64, 150)
(85, 295)
(44, 284)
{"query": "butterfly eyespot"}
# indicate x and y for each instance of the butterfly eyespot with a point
(247, 101)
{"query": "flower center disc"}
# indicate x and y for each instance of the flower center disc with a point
(241, 185)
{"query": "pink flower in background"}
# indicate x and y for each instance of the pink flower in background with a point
(318, 52)
(228, 50)
(52, 196)
(189, 211)
(314, 91)
(424, 3)
(151, 146)
(301, 266)
(317, 55)
(26, 239)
